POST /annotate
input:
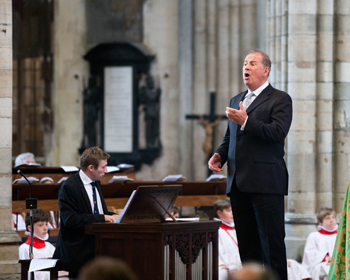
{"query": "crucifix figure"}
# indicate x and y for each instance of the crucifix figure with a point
(208, 122)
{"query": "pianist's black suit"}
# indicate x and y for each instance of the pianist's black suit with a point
(74, 248)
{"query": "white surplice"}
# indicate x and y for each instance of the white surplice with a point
(296, 271)
(319, 245)
(228, 250)
(41, 250)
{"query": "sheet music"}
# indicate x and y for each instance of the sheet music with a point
(195, 219)
(118, 109)
(28, 164)
(216, 177)
(174, 178)
(119, 179)
(38, 264)
(112, 169)
(125, 165)
(117, 221)
(68, 168)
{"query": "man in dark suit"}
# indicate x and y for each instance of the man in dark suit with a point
(257, 180)
(81, 203)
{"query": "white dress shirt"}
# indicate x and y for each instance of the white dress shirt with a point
(88, 188)
(256, 93)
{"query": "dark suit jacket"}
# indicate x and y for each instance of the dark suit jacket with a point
(73, 247)
(255, 156)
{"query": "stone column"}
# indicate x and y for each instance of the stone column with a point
(324, 104)
(236, 59)
(69, 72)
(318, 143)
(224, 30)
(203, 27)
(237, 25)
(9, 240)
(276, 30)
(261, 11)
(301, 142)
(292, 46)
(185, 54)
(341, 102)
(224, 72)
(161, 35)
(185, 57)
(248, 26)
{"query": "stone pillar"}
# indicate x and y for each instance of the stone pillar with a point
(161, 37)
(324, 104)
(224, 72)
(262, 29)
(341, 102)
(301, 142)
(237, 25)
(70, 70)
(185, 56)
(224, 31)
(276, 36)
(204, 59)
(236, 58)
(292, 47)
(9, 240)
(317, 149)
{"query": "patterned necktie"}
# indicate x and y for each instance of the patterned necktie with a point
(248, 100)
(93, 184)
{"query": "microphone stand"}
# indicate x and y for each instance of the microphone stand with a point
(31, 203)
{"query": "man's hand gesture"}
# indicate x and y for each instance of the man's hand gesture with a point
(237, 116)
(215, 162)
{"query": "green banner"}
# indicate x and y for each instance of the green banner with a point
(340, 266)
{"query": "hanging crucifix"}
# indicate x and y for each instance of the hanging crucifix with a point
(208, 122)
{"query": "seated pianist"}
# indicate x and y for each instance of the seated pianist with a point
(81, 203)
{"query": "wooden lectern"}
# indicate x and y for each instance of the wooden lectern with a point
(162, 251)
(155, 249)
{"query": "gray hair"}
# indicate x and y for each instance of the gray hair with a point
(20, 159)
(265, 58)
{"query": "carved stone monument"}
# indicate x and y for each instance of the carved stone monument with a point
(112, 99)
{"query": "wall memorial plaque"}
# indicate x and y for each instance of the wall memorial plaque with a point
(118, 110)
(112, 100)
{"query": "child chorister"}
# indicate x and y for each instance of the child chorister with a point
(320, 245)
(229, 259)
(41, 248)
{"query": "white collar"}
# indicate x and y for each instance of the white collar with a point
(259, 89)
(85, 178)
(328, 230)
(232, 224)
(43, 239)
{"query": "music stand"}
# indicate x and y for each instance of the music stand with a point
(150, 204)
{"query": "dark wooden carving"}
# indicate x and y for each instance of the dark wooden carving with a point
(198, 243)
(142, 245)
(182, 242)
